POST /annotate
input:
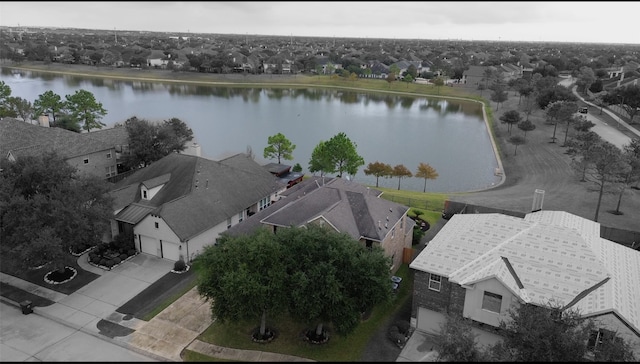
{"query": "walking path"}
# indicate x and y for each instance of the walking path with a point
(92, 309)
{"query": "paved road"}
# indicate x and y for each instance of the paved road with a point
(36, 338)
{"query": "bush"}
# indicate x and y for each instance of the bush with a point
(109, 263)
(116, 260)
(179, 265)
(417, 235)
(123, 256)
(103, 262)
(132, 252)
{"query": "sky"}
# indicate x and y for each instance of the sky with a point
(585, 22)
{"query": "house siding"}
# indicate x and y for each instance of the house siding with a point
(98, 162)
(613, 323)
(450, 299)
(394, 246)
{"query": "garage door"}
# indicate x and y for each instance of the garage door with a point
(149, 246)
(170, 250)
(429, 321)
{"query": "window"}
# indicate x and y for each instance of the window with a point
(435, 282)
(144, 194)
(228, 223)
(157, 225)
(264, 203)
(110, 171)
(86, 161)
(491, 302)
(597, 337)
(369, 244)
(109, 155)
(240, 217)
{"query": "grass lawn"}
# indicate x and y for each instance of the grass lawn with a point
(289, 338)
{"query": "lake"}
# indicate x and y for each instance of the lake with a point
(448, 134)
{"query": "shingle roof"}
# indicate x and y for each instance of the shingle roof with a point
(200, 193)
(22, 138)
(555, 255)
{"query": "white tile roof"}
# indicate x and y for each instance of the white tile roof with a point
(556, 256)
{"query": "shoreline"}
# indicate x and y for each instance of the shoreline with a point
(125, 74)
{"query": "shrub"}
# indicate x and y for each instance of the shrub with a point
(123, 256)
(116, 260)
(103, 262)
(109, 263)
(417, 235)
(132, 252)
(179, 265)
(417, 211)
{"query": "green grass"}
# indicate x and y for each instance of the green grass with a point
(423, 201)
(289, 338)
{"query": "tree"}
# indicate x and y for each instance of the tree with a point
(244, 278)
(332, 278)
(320, 159)
(516, 140)
(605, 163)
(84, 108)
(172, 136)
(390, 78)
(48, 103)
(573, 119)
(511, 117)
(401, 172)
(5, 94)
(149, 142)
(47, 209)
(549, 333)
(279, 147)
(21, 108)
(408, 79)
(628, 97)
(586, 78)
(427, 172)
(499, 95)
(559, 111)
(630, 174)
(338, 154)
(378, 169)
(456, 341)
(438, 82)
(297, 168)
(526, 126)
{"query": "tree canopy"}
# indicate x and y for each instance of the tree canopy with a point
(149, 142)
(511, 118)
(279, 147)
(401, 171)
(378, 169)
(84, 109)
(48, 103)
(426, 172)
(337, 155)
(312, 273)
(47, 208)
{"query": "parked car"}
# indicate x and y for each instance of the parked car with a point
(583, 110)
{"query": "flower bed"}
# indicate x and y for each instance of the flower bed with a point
(109, 255)
(55, 277)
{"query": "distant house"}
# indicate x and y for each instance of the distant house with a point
(81, 150)
(481, 265)
(344, 206)
(117, 137)
(181, 203)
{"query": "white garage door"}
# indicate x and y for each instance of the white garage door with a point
(429, 321)
(149, 245)
(170, 250)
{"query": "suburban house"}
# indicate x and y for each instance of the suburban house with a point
(181, 203)
(480, 265)
(344, 206)
(475, 75)
(88, 154)
(117, 137)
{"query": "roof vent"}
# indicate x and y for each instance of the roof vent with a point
(379, 226)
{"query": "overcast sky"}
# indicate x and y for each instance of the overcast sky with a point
(596, 22)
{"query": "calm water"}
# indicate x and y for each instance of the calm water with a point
(450, 135)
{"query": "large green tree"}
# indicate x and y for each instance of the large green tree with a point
(48, 103)
(243, 277)
(332, 278)
(629, 175)
(47, 209)
(559, 111)
(21, 108)
(5, 94)
(336, 155)
(279, 147)
(83, 107)
(456, 341)
(378, 169)
(149, 142)
(511, 117)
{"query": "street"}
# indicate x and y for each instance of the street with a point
(35, 338)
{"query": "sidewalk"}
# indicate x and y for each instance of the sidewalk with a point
(93, 310)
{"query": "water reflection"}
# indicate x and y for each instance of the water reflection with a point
(448, 134)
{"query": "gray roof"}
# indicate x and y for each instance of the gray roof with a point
(200, 193)
(348, 206)
(22, 138)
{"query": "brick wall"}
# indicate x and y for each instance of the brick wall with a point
(449, 299)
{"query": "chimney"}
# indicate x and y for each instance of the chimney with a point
(43, 120)
(538, 197)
